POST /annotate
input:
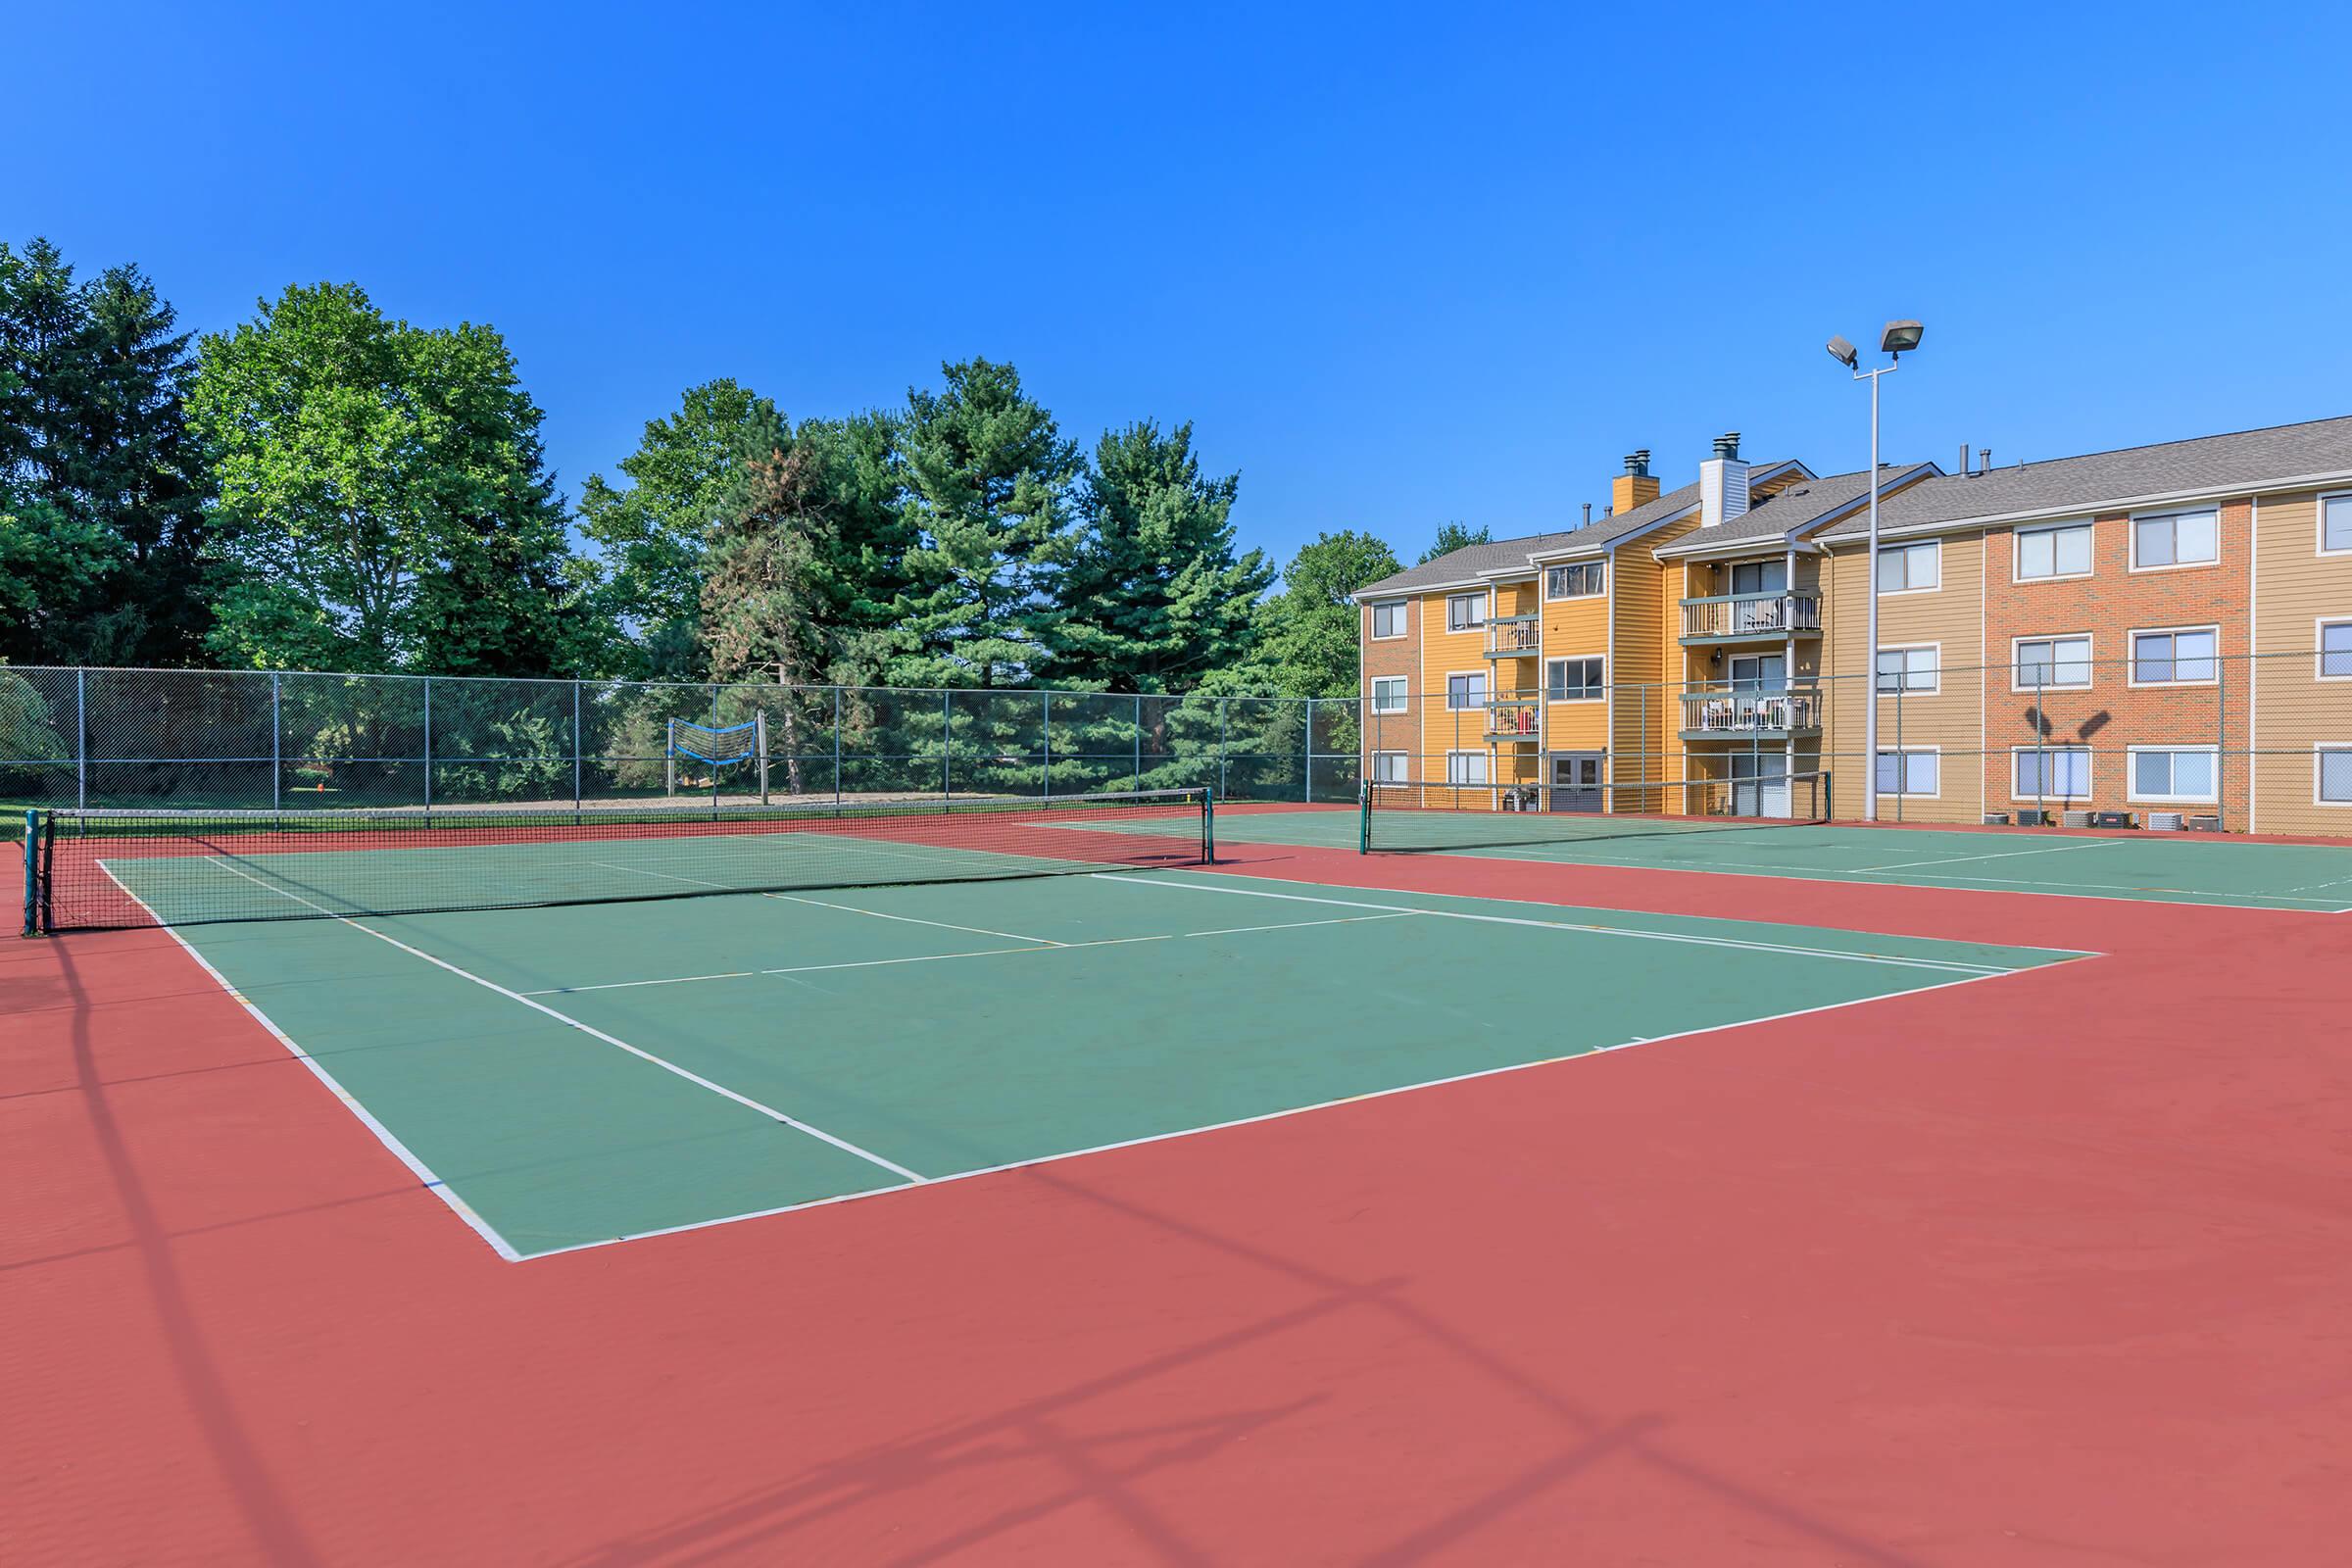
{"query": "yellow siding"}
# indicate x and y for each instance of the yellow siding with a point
(1951, 719)
(1446, 653)
(2295, 588)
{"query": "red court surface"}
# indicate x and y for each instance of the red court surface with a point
(2046, 1271)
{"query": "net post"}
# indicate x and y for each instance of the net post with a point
(1208, 827)
(760, 740)
(33, 871)
(1223, 785)
(1363, 817)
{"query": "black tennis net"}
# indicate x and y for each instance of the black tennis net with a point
(95, 869)
(1408, 817)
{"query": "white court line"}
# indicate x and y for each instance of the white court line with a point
(1952, 965)
(383, 1135)
(789, 897)
(942, 958)
(2000, 854)
(663, 1062)
(1267, 1116)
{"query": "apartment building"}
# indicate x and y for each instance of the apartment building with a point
(2161, 629)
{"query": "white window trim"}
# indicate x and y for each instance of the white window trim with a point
(2090, 662)
(1485, 684)
(1936, 794)
(2319, 521)
(1551, 598)
(2132, 777)
(2318, 642)
(1404, 619)
(2131, 545)
(2017, 551)
(1934, 690)
(1601, 694)
(2090, 766)
(2132, 656)
(1485, 607)
(1910, 544)
(1406, 772)
(1453, 783)
(1404, 699)
(2318, 751)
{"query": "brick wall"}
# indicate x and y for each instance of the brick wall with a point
(1392, 656)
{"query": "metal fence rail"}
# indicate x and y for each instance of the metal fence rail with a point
(289, 741)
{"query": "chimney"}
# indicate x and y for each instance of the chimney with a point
(1634, 487)
(1721, 482)
(1587, 522)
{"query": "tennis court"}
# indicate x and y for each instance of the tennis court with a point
(2147, 866)
(585, 1070)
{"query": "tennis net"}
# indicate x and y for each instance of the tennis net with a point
(1408, 818)
(95, 869)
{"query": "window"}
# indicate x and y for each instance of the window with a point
(2060, 552)
(1908, 670)
(2053, 661)
(2063, 771)
(2335, 523)
(2336, 650)
(1465, 767)
(1910, 568)
(1913, 770)
(2173, 658)
(1388, 768)
(2174, 774)
(2333, 766)
(1760, 577)
(1387, 618)
(1465, 612)
(1388, 694)
(1573, 680)
(2176, 539)
(1580, 582)
(1466, 691)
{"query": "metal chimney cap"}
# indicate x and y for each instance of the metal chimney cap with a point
(1727, 445)
(1636, 464)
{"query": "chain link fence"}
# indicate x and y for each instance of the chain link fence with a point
(243, 739)
(2171, 734)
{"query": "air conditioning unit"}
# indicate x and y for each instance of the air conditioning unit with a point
(2033, 819)
(2074, 818)
(2204, 824)
(1997, 818)
(2165, 821)
(2111, 819)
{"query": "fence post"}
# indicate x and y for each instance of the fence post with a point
(1139, 742)
(277, 766)
(428, 745)
(81, 740)
(1046, 699)
(1307, 756)
(946, 736)
(1903, 763)
(1223, 793)
(576, 748)
(2221, 741)
(2042, 750)
(837, 748)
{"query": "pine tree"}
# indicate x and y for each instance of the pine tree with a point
(1147, 594)
(1456, 536)
(985, 473)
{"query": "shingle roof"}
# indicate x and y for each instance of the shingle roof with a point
(1468, 564)
(1800, 504)
(2206, 463)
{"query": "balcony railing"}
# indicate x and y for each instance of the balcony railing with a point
(1751, 614)
(1514, 716)
(1515, 636)
(1750, 710)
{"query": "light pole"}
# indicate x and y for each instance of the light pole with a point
(1899, 338)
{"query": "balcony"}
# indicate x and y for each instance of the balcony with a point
(1514, 720)
(1750, 712)
(1515, 636)
(1767, 618)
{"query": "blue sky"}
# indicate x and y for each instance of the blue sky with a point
(1398, 266)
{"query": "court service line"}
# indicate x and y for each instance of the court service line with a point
(431, 1179)
(1389, 1092)
(789, 897)
(594, 1033)
(942, 958)
(1951, 966)
(1998, 854)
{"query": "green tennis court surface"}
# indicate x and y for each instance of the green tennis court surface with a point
(573, 1075)
(2268, 876)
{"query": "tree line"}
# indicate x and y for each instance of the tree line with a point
(325, 487)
